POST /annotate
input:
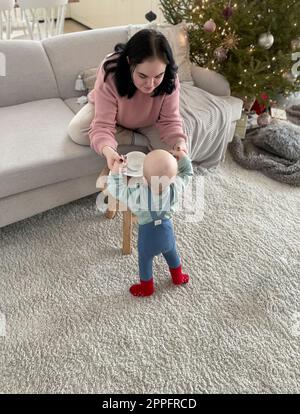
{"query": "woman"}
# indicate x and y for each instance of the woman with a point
(137, 89)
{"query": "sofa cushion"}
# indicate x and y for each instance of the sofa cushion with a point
(29, 76)
(36, 150)
(88, 48)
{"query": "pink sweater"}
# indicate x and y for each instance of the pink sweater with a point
(140, 111)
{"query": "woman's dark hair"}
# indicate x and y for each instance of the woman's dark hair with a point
(145, 44)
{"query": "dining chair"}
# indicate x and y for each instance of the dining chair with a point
(6, 12)
(44, 18)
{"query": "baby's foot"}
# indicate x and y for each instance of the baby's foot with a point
(145, 288)
(178, 277)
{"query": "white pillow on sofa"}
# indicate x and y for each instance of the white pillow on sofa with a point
(177, 36)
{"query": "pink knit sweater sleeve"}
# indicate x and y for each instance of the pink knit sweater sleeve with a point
(103, 127)
(169, 123)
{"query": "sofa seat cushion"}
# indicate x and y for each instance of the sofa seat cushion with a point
(36, 150)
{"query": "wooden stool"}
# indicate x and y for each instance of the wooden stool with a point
(128, 217)
(128, 220)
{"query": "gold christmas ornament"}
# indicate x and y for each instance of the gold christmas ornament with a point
(266, 40)
(231, 41)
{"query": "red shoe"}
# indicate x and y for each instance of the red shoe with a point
(178, 277)
(145, 288)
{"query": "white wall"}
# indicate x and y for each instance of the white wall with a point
(106, 13)
(68, 12)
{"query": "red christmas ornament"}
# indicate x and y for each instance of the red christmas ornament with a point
(259, 108)
(264, 96)
(228, 12)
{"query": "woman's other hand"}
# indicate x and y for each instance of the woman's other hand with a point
(178, 154)
(181, 146)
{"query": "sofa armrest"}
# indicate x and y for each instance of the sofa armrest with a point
(210, 81)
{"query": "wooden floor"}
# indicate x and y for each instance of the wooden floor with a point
(73, 26)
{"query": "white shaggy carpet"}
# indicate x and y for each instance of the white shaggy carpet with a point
(69, 324)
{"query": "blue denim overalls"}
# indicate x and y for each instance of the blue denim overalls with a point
(155, 238)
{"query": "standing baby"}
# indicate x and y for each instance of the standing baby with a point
(153, 201)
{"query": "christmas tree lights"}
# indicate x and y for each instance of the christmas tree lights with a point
(250, 42)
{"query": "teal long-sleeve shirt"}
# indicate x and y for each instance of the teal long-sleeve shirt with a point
(135, 196)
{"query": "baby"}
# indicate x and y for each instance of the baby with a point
(153, 202)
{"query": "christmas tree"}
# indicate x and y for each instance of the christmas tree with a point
(251, 42)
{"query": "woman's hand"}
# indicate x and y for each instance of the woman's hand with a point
(178, 154)
(111, 156)
(118, 166)
(181, 146)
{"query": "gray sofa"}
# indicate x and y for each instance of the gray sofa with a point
(40, 167)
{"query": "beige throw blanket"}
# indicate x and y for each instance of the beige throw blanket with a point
(207, 120)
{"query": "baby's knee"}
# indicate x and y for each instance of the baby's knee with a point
(78, 132)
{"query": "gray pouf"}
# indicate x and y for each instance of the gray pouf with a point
(281, 139)
(274, 150)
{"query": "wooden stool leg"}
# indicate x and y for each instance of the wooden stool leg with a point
(127, 231)
(111, 208)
